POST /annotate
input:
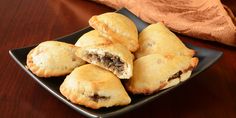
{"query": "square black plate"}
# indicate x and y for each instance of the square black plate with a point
(206, 56)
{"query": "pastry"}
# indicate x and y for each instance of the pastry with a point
(91, 38)
(94, 87)
(111, 56)
(53, 58)
(156, 38)
(155, 72)
(117, 28)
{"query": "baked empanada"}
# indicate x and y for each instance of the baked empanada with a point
(94, 87)
(111, 56)
(91, 38)
(155, 72)
(53, 58)
(117, 28)
(156, 38)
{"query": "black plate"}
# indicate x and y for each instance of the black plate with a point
(207, 58)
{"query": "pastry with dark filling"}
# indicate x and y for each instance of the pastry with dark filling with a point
(156, 72)
(111, 56)
(94, 87)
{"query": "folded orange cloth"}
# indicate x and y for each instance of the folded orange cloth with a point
(204, 19)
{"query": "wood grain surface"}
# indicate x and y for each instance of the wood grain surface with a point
(212, 94)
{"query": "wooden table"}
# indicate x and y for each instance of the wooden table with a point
(25, 22)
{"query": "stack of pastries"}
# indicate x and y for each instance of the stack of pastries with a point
(147, 62)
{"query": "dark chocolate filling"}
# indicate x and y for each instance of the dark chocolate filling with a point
(108, 60)
(96, 97)
(176, 75)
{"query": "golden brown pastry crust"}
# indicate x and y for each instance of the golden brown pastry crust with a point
(155, 72)
(91, 38)
(156, 38)
(109, 51)
(117, 28)
(94, 87)
(53, 58)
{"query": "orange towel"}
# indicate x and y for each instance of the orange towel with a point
(204, 19)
